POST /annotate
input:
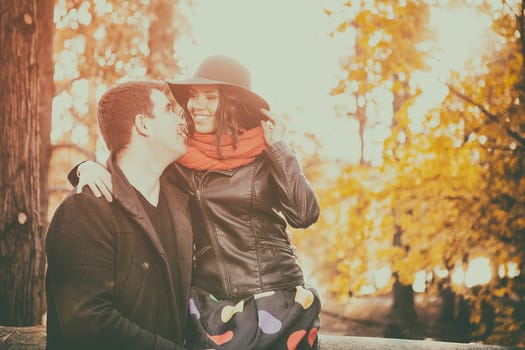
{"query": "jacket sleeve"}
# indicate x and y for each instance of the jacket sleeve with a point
(72, 175)
(298, 201)
(80, 250)
(175, 175)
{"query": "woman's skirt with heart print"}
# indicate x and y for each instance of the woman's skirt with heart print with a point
(279, 319)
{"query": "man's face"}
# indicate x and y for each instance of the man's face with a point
(168, 126)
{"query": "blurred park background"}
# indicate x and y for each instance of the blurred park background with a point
(408, 116)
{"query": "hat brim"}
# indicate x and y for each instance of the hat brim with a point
(180, 90)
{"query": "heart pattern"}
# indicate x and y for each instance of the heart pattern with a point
(270, 316)
(295, 338)
(193, 309)
(221, 338)
(228, 311)
(304, 297)
(267, 323)
(312, 336)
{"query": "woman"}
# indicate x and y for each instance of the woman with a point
(246, 184)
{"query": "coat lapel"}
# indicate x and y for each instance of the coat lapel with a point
(177, 202)
(125, 194)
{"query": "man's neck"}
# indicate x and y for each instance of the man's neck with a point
(142, 173)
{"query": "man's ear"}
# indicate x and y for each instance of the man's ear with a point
(142, 125)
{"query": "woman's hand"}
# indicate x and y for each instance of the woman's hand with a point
(274, 129)
(96, 177)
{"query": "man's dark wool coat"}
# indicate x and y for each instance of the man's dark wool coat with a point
(109, 281)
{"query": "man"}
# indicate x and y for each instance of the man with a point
(119, 273)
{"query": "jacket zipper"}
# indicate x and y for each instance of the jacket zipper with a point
(213, 237)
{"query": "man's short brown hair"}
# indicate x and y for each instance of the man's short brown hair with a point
(118, 107)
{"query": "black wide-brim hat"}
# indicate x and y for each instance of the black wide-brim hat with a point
(221, 70)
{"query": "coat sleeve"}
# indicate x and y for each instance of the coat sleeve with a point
(80, 251)
(297, 198)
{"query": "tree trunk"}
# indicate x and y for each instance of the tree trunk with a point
(403, 321)
(453, 323)
(161, 63)
(46, 85)
(360, 116)
(22, 260)
(448, 305)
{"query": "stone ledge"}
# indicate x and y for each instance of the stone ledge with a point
(337, 342)
(33, 338)
(22, 338)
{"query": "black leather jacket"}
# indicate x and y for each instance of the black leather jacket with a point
(239, 222)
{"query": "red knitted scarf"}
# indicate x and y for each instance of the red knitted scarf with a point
(202, 151)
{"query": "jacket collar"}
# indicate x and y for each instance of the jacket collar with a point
(124, 194)
(123, 191)
(177, 200)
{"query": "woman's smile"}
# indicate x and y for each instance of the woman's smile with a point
(201, 117)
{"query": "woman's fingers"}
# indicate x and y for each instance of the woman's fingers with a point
(106, 193)
(279, 129)
(97, 178)
(107, 187)
(271, 117)
(80, 186)
(274, 128)
(97, 189)
(94, 188)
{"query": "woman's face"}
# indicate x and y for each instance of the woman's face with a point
(202, 104)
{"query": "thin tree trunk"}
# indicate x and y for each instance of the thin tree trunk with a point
(46, 70)
(22, 261)
(361, 118)
(161, 63)
(403, 320)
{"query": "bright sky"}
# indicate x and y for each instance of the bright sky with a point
(294, 61)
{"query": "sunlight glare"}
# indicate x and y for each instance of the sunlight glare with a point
(294, 70)
(458, 275)
(102, 7)
(461, 34)
(510, 269)
(434, 94)
(80, 135)
(84, 17)
(513, 269)
(420, 282)
(102, 152)
(479, 272)
(455, 47)
(61, 118)
(367, 289)
(441, 272)
(79, 92)
(382, 277)
(62, 123)
(379, 114)
(79, 89)
(100, 33)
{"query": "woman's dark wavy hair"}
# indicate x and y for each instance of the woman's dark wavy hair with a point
(233, 116)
